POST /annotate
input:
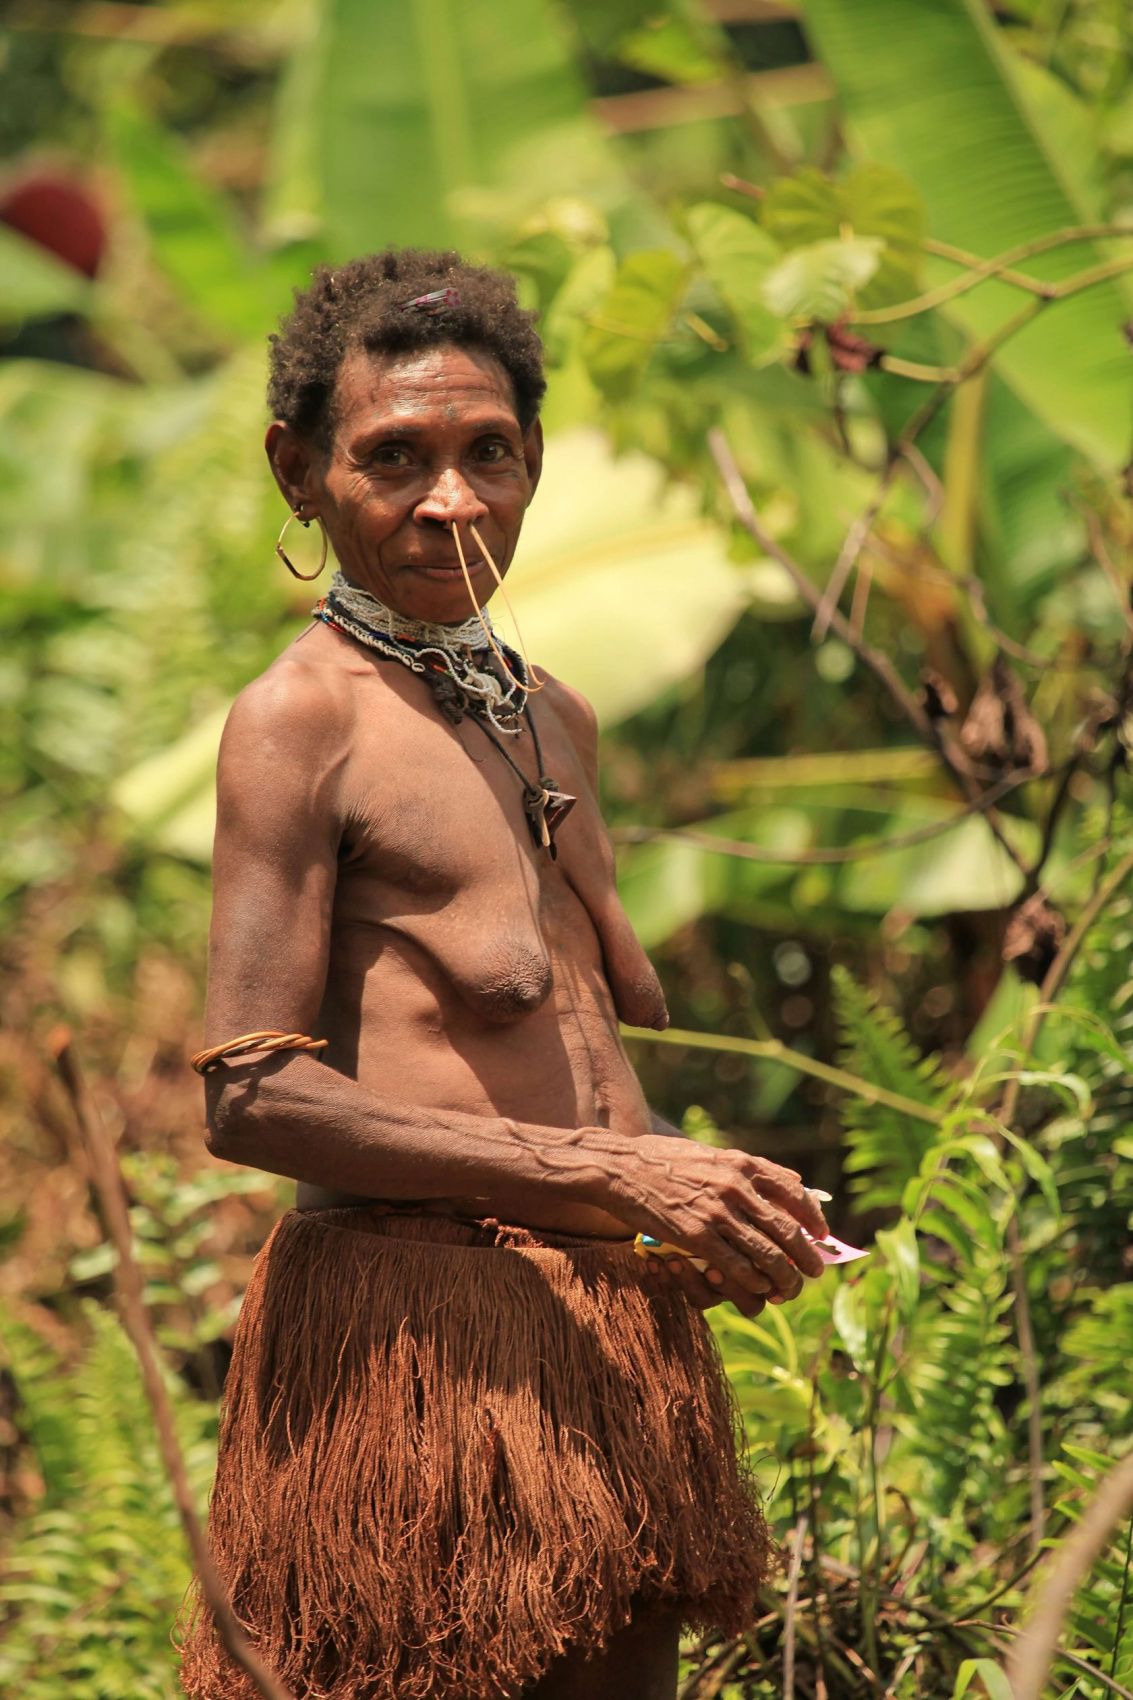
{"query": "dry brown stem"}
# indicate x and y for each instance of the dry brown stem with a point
(875, 659)
(107, 1180)
(1031, 1656)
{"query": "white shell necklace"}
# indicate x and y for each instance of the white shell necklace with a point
(423, 645)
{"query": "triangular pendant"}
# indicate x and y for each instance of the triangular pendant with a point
(546, 809)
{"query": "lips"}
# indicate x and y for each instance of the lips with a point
(444, 569)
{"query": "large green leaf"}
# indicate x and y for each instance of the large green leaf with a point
(34, 284)
(938, 98)
(821, 280)
(619, 585)
(964, 869)
(667, 884)
(737, 255)
(430, 110)
(634, 317)
(192, 227)
(870, 200)
(670, 882)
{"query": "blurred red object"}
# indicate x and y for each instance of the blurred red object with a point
(60, 215)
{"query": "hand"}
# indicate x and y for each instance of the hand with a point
(743, 1215)
(703, 1290)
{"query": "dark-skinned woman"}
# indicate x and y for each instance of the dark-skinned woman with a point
(474, 1446)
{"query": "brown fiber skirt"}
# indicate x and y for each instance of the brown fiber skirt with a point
(450, 1451)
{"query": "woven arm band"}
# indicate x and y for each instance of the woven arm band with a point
(270, 1039)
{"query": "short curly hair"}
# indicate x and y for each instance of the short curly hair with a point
(366, 304)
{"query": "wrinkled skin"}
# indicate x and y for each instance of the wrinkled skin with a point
(375, 883)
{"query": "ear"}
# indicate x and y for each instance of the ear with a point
(292, 462)
(533, 454)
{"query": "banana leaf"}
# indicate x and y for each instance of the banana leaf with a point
(431, 115)
(933, 91)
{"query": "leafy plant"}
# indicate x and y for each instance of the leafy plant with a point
(95, 1575)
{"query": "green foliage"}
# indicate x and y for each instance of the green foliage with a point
(96, 1574)
(884, 1149)
(945, 108)
(890, 1404)
(906, 1449)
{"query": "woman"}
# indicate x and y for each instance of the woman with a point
(473, 1445)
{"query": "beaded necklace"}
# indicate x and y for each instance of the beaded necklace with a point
(429, 649)
(455, 663)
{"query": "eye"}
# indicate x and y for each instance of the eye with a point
(493, 450)
(391, 454)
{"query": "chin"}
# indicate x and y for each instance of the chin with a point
(443, 604)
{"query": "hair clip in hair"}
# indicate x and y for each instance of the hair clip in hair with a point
(435, 300)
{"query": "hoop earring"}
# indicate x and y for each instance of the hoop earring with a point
(306, 577)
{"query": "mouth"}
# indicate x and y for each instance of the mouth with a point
(444, 570)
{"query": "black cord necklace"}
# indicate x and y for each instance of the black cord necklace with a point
(545, 804)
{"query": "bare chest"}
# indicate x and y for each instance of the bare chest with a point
(437, 854)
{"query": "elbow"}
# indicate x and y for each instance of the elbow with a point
(231, 1121)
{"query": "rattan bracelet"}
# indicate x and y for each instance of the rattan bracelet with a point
(269, 1039)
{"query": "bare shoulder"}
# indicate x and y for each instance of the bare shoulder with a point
(300, 699)
(577, 716)
(287, 732)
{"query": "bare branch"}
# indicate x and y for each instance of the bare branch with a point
(792, 1608)
(1031, 1656)
(107, 1179)
(821, 856)
(874, 659)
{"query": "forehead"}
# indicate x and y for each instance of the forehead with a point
(438, 385)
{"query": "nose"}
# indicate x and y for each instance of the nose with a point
(450, 500)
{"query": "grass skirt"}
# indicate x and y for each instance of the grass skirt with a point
(452, 1450)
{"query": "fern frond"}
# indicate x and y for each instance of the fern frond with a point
(884, 1149)
(96, 1575)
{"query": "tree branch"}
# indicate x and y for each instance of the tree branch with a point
(107, 1179)
(821, 856)
(773, 1050)
(874, 659)
(1001, 267)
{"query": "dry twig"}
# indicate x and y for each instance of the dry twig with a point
(1032, 1654)
(107, 1179)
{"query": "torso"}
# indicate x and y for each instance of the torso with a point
(467, 969)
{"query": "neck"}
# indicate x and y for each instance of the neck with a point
(364, 605)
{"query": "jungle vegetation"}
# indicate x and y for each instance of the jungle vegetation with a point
(836, 532)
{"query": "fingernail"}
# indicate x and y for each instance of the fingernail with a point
(653, 1266)
(714, 1276)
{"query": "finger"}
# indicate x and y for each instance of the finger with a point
(780, 1227)
(757, 1246)
(786, 1188)
(747, 1303)
(742, 1265)
(759, 1283)
(695, 1286)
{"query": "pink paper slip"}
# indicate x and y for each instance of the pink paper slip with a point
(837, 1251)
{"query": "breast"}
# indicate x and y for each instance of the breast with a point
(506, 977)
